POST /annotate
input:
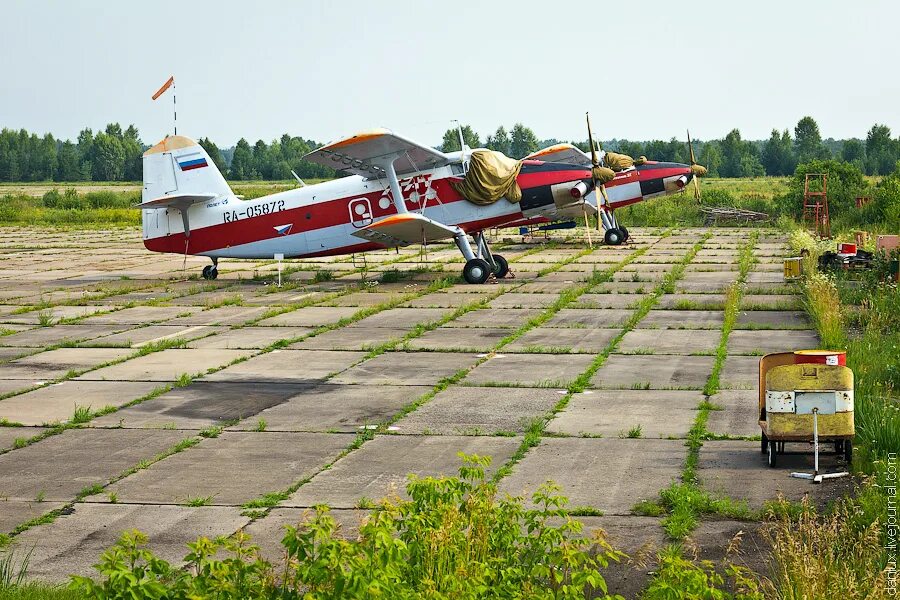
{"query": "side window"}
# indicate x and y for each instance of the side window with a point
(457, 169)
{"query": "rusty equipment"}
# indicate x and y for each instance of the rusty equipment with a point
(806, 396)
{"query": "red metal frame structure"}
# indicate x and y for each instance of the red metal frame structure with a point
(815, 204)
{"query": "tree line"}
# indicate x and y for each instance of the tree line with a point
(114, 154)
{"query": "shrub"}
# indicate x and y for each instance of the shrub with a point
(453, 539)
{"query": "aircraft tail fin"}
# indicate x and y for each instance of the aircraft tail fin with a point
(179, 166)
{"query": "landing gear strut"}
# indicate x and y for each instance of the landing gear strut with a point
(481, 263)
(211, 271)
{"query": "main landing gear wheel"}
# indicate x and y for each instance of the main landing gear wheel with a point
(625, 234)
(477, 270)
(210, 272)
(501, 266)
(848, 451)
(613, 237)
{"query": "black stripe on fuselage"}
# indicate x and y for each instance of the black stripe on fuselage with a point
(660, 165)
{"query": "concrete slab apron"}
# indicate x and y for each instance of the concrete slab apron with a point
(662, 413)
(72, 544)
(236, 468)
(608, 474)
(62, 465)
(57, 403)
(381, 466)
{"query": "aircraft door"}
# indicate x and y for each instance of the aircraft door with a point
(360, 212)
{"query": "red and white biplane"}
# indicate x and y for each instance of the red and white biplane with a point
(399, 193)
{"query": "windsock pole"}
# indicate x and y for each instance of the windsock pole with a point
(170, 83)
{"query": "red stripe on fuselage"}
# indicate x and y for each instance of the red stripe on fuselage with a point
(329, 213)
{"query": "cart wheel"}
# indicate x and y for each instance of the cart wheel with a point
(773, 453)
(838, 446)
(764, 444)
(848, 451)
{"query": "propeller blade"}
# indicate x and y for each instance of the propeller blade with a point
(696, 189)
(587, 226)
(595, 161)
(691, 148)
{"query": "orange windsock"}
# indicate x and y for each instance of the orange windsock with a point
(164, 87)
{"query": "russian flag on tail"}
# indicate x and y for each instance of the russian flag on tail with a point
(191, 161)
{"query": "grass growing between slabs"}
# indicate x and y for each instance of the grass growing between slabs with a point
(682, 503)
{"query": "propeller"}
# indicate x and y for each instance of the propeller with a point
(595, 165)
(696, 169)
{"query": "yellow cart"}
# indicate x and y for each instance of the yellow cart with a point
(805, 396)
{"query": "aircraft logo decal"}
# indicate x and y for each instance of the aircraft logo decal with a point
(283, 229)
(189, 162)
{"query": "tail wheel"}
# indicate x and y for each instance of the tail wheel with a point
(501, 267)
(773, 454)
(613, 237)
(477, 270)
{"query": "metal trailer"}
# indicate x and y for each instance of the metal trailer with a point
(805, 396)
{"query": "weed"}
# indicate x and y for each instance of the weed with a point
(112, 497)
(199, 501)
(82, 414)
(634, 433)
(41, 495)
(45, 318)
(260, 425)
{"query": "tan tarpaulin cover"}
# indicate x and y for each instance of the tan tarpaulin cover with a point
(618, 162)
(491, 176)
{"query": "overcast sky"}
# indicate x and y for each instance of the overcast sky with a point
(323, 69)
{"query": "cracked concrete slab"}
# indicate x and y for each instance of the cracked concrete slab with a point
(479, 411)
(657, 413)
(336, 408)
(407, 368)
(381, 466)
(556, 371)
(611, 475)
(238, 466)
(60, 466)
(654, 372)
(72, 543)
(563, 339)
(288, 366)
(57, 403)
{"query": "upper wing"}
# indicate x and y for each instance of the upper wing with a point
(405, 229)
(561, 153)
(366, 154)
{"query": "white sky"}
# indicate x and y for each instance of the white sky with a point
(644, 68)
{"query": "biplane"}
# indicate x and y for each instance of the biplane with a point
(397, 193)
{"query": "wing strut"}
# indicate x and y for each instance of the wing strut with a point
(388, 165)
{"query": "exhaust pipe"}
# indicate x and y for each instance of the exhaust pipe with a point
(579, 190)
(681, 182)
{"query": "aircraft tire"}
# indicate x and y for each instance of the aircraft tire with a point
(477, 270)
(613, 237)
(210, 272)
(625, 234)
(773, 454)
(502, 266)
(206, 270)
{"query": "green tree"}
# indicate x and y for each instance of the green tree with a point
(499, 141)
(809, 144)
(134, 149)
(778, 154)
(450, 142)
(522, 141)
(262, 160)
(214, 153)
(733, 149)
(67, 166)
(854, 152)
(881, 152)
(711, 158)
(85, 150)
(242, 161)
(9, 156)
(109, 158)
(845, 183)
